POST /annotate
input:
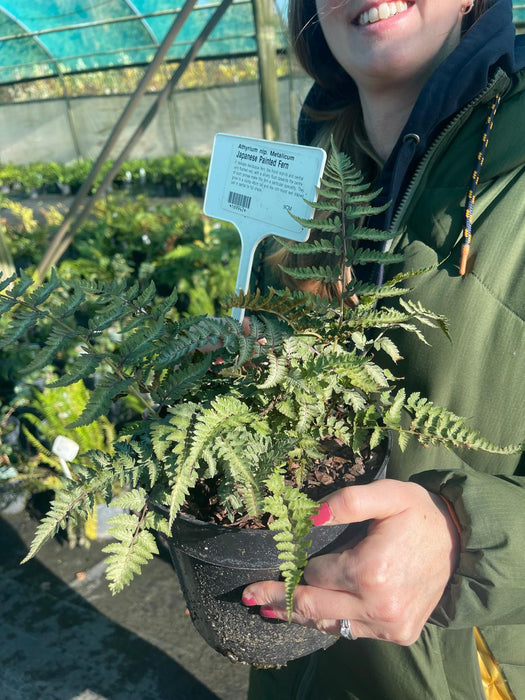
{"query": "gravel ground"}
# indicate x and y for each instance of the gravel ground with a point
(65, 637)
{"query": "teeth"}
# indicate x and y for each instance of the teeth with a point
(383, 11)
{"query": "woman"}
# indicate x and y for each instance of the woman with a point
(414, 91)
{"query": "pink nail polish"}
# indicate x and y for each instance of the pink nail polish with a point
(248, 600)
(267, 611)
(323, 515)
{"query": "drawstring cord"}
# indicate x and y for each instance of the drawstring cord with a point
(471, 197)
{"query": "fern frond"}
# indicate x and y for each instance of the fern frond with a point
(365, 256)
(139, 345)
(84, 366)
(196, 333)
(71, 305)
(5, 282)
(423, 315)
(181, 381)
(22, 320)
(42, 292)
(364, 233)
(135, 499)
(330, 224)
(292, 511)
(56, 341)
(276, 371)
(394, 412)
(147, 295)
(325, 274)
(108, 388)
(292, 307)
(315, 247)
(73, 501)
(240, 455)
(134, 548)
(434, 425)
(20, 286)
(387, 346)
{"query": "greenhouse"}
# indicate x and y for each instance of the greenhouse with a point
(261, 403)
(51, 47)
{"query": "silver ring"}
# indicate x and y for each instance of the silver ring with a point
(345, 629)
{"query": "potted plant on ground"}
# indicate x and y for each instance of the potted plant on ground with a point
(241, 427)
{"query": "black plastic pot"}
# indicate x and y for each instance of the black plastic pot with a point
(215, 564)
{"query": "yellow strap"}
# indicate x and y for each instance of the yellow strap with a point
(494, 684)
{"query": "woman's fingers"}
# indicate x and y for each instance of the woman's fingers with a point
(390, 581)
(313, 607)
(353, 504)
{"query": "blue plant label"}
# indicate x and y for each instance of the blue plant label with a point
(255, 184)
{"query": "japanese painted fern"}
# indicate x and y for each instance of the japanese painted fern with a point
(247, 410)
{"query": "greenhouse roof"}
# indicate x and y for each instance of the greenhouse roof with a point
(44, 38)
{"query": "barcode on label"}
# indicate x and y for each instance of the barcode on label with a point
(239, 200)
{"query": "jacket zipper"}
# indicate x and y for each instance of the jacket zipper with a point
(492, 88)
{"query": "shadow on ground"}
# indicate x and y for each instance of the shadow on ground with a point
(64, 637)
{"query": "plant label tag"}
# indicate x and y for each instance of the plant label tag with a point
(254, 184)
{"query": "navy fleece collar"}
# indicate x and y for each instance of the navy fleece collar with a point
(489, 44)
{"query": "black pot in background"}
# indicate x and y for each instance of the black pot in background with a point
(215, 564)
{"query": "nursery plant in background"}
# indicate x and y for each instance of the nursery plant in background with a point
(171, 175)
(171, 243)
(241, 426)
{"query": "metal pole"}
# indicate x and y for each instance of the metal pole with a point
(65, 240)
(265, 32)
(50, 256)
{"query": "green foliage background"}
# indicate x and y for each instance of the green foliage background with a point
(130, 236)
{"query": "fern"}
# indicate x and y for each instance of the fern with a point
(134, 547)
(292, 511)
(109, 387)
(205, 398)
(74, 502)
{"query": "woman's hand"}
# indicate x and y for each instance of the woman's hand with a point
(390, 582)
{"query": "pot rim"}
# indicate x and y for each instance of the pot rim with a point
(238, 547)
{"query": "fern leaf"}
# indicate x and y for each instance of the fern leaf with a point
(364, 233)
(182, 381)
(146, 296)
(240, 457)
(324, 274)
(73, 500)
(21, 285)
(43, 291)
(364, 256)
(69, 307)
(135, 499)
(108, 388)
(56, 341)
(277, 367)
(135, 547)
(323, 245)
(393, 414)
(83, 367)
(292, 511)
(5, 282)
(18, 326)
(389, 347)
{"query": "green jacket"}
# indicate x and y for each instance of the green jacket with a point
(480, 374)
